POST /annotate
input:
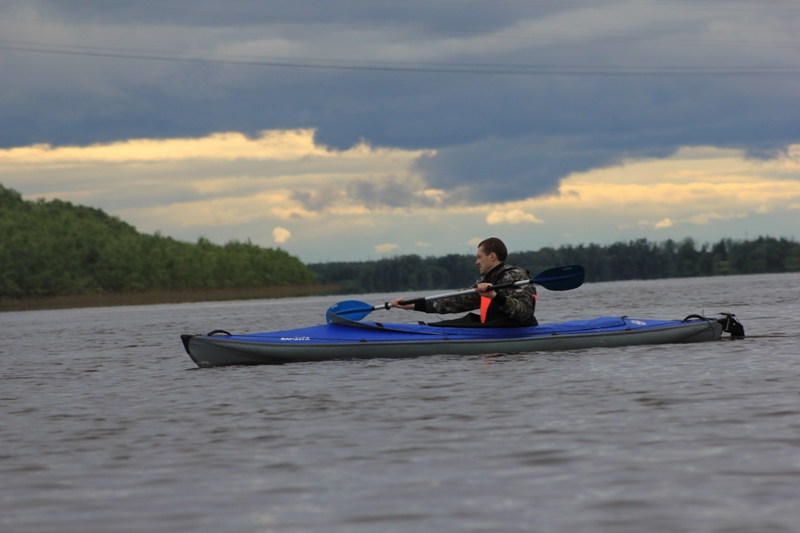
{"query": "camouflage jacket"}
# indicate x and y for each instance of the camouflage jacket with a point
(516, 303)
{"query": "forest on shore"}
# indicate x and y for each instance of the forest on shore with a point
(55, 248)
(637, 259)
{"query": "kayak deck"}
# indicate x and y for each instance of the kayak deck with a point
(348, 339)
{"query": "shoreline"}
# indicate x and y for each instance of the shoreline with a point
(78, 301)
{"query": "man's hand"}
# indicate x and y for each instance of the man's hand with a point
(396, 303)
(481, 290)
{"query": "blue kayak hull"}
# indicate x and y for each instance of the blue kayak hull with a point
(369, 340)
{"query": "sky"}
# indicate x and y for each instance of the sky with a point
(345, 130)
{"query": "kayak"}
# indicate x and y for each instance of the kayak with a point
(343, 338)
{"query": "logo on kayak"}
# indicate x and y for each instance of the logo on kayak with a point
(295, 338)
(639, 322)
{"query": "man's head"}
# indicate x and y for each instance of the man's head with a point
(491, 252)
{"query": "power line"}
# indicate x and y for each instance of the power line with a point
(388, 66)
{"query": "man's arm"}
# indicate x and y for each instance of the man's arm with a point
(516, 302)
(452, 304)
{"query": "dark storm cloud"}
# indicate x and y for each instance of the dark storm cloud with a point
(390, 194)
(583, 84)
(528, 168)
(316, 200)
(442, 17)
(386, 194)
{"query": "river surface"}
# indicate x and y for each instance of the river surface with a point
(107, 425)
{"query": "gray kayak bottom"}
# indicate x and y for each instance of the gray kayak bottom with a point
(369, 340)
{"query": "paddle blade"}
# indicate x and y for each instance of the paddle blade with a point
(349, 309)
(561, 278)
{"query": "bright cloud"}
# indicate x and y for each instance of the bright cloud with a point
(222, 179)
(514, 216)
(707, 218)
(271, 145)
(677, 190)
(664, 223)
(386, 248)
(281, 235)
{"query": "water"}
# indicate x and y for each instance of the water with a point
(106, 424)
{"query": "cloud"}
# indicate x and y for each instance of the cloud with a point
(281, 235)
(707, 218)
(341, 204)
(503, 169)
(514, 216)
(318, 199)
(227, 146)
(288, 168)
(659, 224)
(508, 101)
(663, 223)
(391, 193)
(386, 248)
(698, 174)
(376, 193)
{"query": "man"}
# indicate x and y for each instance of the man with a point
(509, 307)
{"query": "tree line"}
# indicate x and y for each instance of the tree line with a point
(55, 248)
(636, 259)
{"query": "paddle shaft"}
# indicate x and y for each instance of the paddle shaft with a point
(555, 279)
(520, 283)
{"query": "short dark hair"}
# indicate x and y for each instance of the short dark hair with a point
(495, 246)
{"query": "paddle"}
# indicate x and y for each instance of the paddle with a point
(555, 279)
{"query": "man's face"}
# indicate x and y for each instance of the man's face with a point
(485, 262)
